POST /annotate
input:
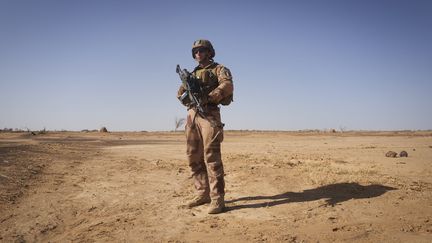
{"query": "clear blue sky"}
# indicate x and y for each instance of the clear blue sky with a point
(296, 64)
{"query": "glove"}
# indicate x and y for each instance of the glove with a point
(185, 101)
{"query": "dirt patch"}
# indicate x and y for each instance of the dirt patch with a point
(291, 187)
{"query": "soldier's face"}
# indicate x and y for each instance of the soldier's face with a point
(202, 54)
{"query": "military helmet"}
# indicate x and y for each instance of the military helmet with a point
(203, 43)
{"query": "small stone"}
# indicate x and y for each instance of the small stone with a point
(403, 154)
(391, 154)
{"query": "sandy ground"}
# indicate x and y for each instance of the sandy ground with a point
(290, 187)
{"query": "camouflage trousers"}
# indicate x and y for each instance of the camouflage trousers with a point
(204, 136)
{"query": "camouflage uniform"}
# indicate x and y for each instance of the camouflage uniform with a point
(204, 134)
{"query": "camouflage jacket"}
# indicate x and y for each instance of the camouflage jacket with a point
(216, 82)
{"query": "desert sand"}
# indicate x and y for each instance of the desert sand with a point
(280, 187)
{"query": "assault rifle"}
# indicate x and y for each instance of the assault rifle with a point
(193, 94)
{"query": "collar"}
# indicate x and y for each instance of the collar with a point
(206, 67)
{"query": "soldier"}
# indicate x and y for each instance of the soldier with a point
(204, 132)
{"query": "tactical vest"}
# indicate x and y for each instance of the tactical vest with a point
(208, 79)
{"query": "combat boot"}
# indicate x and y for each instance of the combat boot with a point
(198, 200)
(216, 206)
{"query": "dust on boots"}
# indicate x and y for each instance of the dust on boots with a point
(216, 205)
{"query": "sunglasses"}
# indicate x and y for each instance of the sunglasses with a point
(200, 50)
